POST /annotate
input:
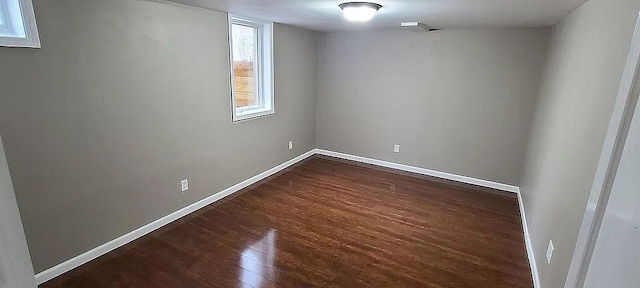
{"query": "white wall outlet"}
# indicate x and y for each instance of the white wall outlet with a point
(396, 148)
(290, 145)
(550, 249)
(184, 185)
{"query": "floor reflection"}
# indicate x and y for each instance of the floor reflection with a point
(257, 261)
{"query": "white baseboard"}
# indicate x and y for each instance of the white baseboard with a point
(457, 178)
(72, 263)
(423, 171)
(144, 230)
(527, 241)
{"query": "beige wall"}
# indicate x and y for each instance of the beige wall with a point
(124, 100)
(458, 100)
(583, 71)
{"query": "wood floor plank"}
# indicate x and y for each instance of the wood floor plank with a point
(329, 223)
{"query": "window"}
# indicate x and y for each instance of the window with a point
(18, 24)
(3, 24)
(251, 49)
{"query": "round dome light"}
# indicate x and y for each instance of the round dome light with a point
(359, 11)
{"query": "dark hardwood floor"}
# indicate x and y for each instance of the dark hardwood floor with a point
(329, 223)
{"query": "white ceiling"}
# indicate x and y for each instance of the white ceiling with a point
(325, 15)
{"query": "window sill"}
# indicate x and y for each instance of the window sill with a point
(17, 42)
(250, 114)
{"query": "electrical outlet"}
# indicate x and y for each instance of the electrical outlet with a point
(290, 145)
(184, 185)
(396, 148)
(550, 249)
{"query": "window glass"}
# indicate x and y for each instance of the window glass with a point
(245, 66)
(3, 13)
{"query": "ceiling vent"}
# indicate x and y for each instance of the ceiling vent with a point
(417, 26)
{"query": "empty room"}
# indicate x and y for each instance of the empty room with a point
(319, 143)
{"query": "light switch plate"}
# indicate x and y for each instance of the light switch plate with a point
(184, 184)
(550, 249)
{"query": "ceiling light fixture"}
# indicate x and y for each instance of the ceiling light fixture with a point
(359, 11)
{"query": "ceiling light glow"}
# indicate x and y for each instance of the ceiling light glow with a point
(359, 11)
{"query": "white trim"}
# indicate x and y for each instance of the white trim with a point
(133, 235)
(423, 171)
(527, 241)
(609, 158)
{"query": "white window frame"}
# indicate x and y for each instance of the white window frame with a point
(264, 70)
(21, 29)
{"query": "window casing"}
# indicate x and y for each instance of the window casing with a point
(251, 55)
(18, 24)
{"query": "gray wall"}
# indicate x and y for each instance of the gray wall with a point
(15, 265)
(580, 82)
(124, 100)
(458, 101)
